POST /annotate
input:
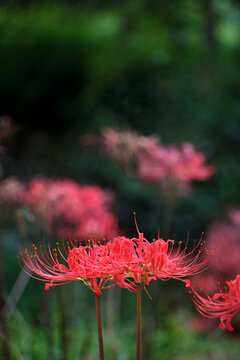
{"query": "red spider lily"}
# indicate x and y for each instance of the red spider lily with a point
(141, 261)
(127, 262)
(180, 163)
(223, 305)
(89, 264)
(66, 208)
(154, 162)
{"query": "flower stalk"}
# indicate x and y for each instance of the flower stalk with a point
(139, 319)
(63, 324)
(99, 327)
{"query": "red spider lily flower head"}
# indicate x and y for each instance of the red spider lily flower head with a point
(12, 191)
(141, 261)
(183, 164)
(171, 167)
(224, 304)
(89, 264)
(68, 209)
(191, 165)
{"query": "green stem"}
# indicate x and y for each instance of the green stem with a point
(48, 326)
(63, 324)
(4, 337)
(139, 291)
(99, 326)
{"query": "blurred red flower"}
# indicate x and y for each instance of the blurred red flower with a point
(183, 163)
(171, 167)
(12, 191)
(68, 209)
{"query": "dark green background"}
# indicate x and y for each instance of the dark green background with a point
(170, 68)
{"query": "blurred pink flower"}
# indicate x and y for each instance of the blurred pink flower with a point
(208, 280)
(170, 166)
(182, 163)
(12, 191)
(226, 238)
(235, 216)
(68, 209)
(127, 146)
(201, 324)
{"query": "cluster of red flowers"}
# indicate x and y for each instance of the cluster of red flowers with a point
(67, 209)
(182, 163)
(63, 207)
(154, 162)
(122, 262)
